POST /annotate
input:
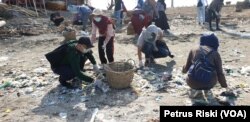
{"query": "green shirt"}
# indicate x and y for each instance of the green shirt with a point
(72, 58)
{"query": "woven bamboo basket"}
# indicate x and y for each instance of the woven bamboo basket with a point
(119, 74)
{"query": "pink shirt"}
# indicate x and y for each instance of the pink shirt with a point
(110, 33)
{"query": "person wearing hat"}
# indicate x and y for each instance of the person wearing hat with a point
(118, 12)
(82, 14)
(151, 44)
(208, 42)
(105, 27)
(72, 64)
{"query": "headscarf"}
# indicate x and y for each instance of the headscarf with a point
(163, 3)
(209, 40)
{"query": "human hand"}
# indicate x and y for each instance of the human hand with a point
(93, 39)
(104, 45)
(96, 69)
(141, 63)
(141, 17)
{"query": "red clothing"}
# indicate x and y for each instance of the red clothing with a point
(103, 24)
(138, 24)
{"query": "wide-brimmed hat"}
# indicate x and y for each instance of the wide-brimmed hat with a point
(97, 12)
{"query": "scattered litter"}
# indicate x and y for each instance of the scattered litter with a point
(229, 94)
(166, 76)
(84, 98)
(224, 101)
(40, 70)
(245, 70)
(94, 114)
(8, 110)
(29, 90)
(103, 86)
(158, 98)
(63, 115)
(3, 58)
(5, 85)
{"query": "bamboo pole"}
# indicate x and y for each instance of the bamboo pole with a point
(45, 7)
(35, 7)
(26, 3)
(172, 3)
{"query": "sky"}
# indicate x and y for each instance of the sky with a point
(130, 4)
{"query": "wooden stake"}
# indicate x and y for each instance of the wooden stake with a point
(44, 7)
(35, 7)
(26, 4)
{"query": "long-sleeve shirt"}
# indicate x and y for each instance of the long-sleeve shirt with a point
(214, 59)
(109, 33)
(216, 5)
(72, 59)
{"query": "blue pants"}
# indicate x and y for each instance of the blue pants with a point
(201, 14)
(148, 50)
(118, 18)
(85, 18)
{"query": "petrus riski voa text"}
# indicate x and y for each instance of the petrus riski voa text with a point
(197, 113)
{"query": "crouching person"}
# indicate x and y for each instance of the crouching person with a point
(204, 66)
(81, 14)
(56, 18)
(68, 61)
(151, 44)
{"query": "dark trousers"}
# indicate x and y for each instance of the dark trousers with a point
(66, 73)
(148, 50)
(211, 16)
(109, 50)
(162, 22)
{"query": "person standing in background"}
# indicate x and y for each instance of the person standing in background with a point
(149, 8)
(139, 4)
(201, 6)
(119, 9)
(214, 13)
(162, 21)
(81, 14)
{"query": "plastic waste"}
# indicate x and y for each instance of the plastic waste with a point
(94, 114)
(63, 115)
(101, 85)
(5, 84)
(166, 76)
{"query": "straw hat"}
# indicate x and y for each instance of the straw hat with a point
(97, 12)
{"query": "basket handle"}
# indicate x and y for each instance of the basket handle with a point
(105, 66)
(132, 63)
